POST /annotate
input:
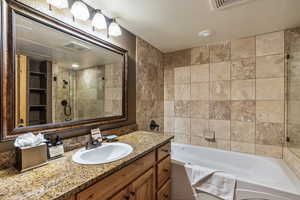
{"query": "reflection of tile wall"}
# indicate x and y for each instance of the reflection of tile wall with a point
(90, 92)
(234, 88)
(61, 92)
(292, 47)
(149, 85)
(98, 92)
(113, 89)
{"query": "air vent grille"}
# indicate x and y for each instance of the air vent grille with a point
(220, 4)
(76, 47)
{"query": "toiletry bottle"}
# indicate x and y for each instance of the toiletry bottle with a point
(56, 149)
(49, 145)
(58, 141)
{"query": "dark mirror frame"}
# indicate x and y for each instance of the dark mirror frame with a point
(9, 8)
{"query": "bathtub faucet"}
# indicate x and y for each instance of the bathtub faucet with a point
(209, 135)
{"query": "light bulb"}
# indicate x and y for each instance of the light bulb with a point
(59, 3)
(75, 65)
(114, 29)
(80, 11)
(99, 21)
(205, 33)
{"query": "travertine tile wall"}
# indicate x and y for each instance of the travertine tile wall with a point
(149, 85)
(234, 88)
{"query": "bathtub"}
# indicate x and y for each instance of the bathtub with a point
(258, 178)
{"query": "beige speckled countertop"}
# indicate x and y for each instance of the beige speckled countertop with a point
(62, 178)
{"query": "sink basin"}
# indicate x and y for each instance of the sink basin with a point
(107, 152)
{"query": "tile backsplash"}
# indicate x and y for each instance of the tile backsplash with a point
(233, 88)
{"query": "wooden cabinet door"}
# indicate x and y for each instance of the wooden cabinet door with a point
(122, 195)
(144, 187)
(165, 192)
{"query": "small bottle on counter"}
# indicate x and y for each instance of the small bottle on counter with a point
(55, 149)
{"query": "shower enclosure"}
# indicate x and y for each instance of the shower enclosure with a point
(73, 90)
(292, 40)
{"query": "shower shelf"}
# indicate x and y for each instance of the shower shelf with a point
(38, 73)
(37, 106)
(38, 89)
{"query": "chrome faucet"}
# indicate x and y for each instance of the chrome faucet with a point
(95, 139)
(91, 144)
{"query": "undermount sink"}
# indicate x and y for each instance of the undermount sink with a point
(107, 152)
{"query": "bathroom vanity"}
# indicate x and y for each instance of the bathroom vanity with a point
(137, 180)
(143, 175)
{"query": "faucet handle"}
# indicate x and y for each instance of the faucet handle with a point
(96, 135)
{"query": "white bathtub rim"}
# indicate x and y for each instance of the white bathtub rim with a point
(293, 178)
(225, 151)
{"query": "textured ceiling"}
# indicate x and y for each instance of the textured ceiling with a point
(174, 24)
(32, 39)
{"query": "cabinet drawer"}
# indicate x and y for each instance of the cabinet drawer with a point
(163, 151)
(165, 192)
(118, 180)
(163, 171)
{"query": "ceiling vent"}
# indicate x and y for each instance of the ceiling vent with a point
(76, 47)
(222, 4)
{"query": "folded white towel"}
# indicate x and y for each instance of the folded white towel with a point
(211, 181)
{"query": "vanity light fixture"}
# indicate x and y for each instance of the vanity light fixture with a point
(59, 3)
(80, 10)
(99, 20)
(114, 29)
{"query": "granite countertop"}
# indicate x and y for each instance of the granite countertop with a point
(62, 178)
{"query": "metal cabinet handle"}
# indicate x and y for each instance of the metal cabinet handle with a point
(91, 196)
(132, 193)
(165, 150)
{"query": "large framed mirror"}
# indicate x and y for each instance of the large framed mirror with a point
(55, 76)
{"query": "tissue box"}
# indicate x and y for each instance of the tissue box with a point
(31, 157)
